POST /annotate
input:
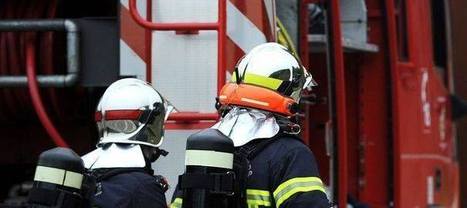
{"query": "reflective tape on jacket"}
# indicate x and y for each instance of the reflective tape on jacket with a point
(296, 185)
(256, 197)
(177, 203)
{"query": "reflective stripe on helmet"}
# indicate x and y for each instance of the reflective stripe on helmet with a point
(119, 115)
(58, 176)
(262, 81)
(257, 198)
(258, 80)
(296, 185)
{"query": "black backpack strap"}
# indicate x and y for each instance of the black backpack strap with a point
(217, 183)
(242, 166)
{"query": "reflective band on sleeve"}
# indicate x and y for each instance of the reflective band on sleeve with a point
(262, 81)
(177, 203)
(209, 158)
(58, 176)
(257, 198)
(296, 185)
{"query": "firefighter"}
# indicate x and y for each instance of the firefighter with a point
(273, 167)
(130, 118)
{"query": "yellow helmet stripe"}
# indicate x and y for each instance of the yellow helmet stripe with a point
(262, 81)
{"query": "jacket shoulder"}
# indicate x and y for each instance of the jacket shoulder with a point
(285, 145)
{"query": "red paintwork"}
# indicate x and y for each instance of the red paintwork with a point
(192, 116)
(385, 149)
(389, 149)
(148, 42)
(421, 147)
(340, 97)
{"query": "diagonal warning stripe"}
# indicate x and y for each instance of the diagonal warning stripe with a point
(241, 30)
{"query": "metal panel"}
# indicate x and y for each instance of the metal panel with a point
(318, 44)
(166, 11)
(132, 62)
(184, 67)
(354, 20)
(99, 42)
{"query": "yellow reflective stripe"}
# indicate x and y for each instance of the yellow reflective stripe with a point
(262, 81)
(177, 203)
(253, 206)
(295, 185)
(256, 203)
(257, 198)
(257, 192)
(296, 180)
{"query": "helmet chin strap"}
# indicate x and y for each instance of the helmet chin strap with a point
(287, 126)
(151, 154)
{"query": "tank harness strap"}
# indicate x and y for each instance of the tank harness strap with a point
(216, 183)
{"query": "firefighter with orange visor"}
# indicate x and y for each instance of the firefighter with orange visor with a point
(274, 168)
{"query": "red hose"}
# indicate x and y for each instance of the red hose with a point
(36, 98)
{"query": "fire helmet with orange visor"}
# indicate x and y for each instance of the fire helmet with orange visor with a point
(267, 84)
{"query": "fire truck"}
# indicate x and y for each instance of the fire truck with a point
(379, 123)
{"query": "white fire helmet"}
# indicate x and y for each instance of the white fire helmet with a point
(273, 66)
(132, 112)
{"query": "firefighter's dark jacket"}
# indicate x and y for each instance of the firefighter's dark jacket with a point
(134, 188)
(284, 174)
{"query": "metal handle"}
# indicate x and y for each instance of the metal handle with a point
(73, 51)
(172, 26)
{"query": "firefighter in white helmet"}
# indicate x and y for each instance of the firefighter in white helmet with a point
(130, 118)
(273, 167)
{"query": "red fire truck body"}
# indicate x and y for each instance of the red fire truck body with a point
(379, 122)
